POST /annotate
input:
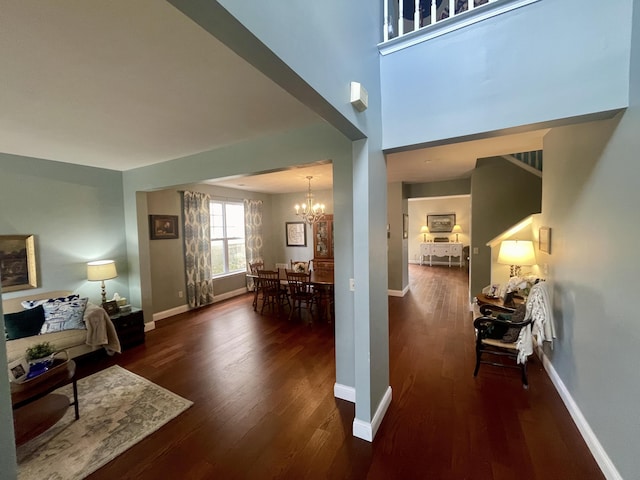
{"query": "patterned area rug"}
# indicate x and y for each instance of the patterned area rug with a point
(117, 409)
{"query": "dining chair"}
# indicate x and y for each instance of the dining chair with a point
(299, 265)
(253, 268)
(273, 293)
(301, 292)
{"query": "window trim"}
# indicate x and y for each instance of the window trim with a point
(225, 239)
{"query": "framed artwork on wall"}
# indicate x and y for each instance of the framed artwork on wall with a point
(18, 262)
(163, 227)
(544, 239)
(296, 233)
(441, 222)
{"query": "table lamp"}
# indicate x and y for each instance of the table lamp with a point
(456, 229)
(516, 253)
(101, 270)
(424, 230)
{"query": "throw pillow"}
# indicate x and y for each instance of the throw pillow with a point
(24, 324)
(64, 315)
(34, 303)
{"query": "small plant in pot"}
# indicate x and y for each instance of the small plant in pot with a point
(40, 357)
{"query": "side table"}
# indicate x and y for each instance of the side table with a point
(130, 328)
(35, 408)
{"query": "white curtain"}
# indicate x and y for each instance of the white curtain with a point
(253, 234)
(197, 248)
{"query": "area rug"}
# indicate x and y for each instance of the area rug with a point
(117, 409)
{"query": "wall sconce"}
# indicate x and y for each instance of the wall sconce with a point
(424, 230)
(516, 253)
(101, 270)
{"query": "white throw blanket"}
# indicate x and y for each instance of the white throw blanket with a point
(542, 327)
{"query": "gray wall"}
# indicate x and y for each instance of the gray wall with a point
(542, 62)
(75, 214)
(7, 455)
(502, 194)
(397, 245)
(438, 189)
(590, 190)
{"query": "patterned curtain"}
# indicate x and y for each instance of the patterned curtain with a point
(197, 248)
(253, 234)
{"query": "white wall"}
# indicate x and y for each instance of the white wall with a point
(420, 208)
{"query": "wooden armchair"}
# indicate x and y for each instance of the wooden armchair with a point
(500, 333)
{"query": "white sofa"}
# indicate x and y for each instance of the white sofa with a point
(100, 331)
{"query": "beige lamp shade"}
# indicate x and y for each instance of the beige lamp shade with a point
(424, 230)
(456, 229)
(516, 253)
(101, 270)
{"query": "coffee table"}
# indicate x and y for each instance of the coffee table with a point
(35, 408)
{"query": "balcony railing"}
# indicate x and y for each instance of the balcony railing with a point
(403, 17)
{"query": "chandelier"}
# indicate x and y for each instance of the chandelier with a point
(310, 212)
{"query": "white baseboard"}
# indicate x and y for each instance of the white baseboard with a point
(367, 431)
(150, 326)
(185, 308)
(398, 293)
(604, 462)
(344, 392)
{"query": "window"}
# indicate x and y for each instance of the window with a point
(227, 238)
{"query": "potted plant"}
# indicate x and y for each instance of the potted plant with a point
(40, 357)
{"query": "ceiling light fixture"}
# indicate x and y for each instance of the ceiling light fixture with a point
(310, 212)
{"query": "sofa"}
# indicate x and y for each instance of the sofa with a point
(94, 331)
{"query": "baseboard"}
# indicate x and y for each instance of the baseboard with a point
(604, 462)
(398, 293)
(367, 431)
(150, 326)
(344, 392)
(185, 308)
(170, 313)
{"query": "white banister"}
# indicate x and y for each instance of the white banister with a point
(416, 15)
(434, 13)
(385, 34)
(400, 18)
(452, 8)
(471, 5)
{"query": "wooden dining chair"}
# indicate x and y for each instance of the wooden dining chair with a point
(272, 291)
(299, 265)
(253, 268)
(301, 292)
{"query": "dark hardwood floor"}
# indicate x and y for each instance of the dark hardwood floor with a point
(263, 408)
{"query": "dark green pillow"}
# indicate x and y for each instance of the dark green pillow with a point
(24, 324)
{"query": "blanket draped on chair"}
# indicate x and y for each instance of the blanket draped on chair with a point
(542, 328)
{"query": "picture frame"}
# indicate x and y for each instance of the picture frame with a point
(111, 307)
(18, 262)
(441, 222)
(18, 370)
(163, 227)
(544, 240)
(296, 234)
(405, 225)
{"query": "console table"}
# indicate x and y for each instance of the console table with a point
(441, 249)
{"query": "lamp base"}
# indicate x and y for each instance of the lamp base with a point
(104, 293)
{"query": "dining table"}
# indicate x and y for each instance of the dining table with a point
(321, 280)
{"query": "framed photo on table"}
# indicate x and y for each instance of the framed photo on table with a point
(18, 369)
(296, 233)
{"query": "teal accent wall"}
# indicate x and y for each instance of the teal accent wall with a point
(76, 215)
(539, 63)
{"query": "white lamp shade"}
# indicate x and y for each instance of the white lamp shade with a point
(456, 229)
(101, 270)
(516, 252)
(424, 229)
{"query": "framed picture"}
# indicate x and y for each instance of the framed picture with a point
(296, 234)
(111, 307)
(441, 222)
(18, 369)
(405, 225)
(163, 227)
(544, 239)
(18, 262)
